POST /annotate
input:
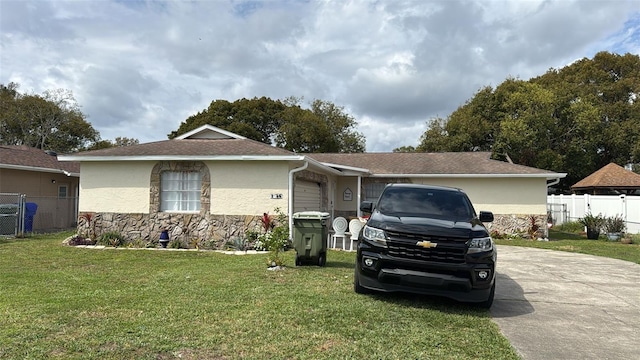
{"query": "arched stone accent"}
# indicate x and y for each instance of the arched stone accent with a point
(199, 166)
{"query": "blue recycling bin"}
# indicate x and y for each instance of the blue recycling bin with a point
(29, 213)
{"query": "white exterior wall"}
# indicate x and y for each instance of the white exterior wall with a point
(245, 187)
(499, 195)
(121, 187)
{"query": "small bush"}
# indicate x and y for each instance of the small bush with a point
(614, 224)
(76, 240)
(175, 244)
(238, 244)
(571, 226)
(112, 238)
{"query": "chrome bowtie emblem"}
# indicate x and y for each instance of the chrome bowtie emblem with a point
(426, 244)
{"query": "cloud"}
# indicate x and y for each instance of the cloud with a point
(139, 68)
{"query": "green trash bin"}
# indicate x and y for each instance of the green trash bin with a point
(310, 237)
(8, 219)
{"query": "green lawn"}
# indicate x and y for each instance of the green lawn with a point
(578, 243)
(61, 302)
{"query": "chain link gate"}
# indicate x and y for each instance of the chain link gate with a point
(12, 208)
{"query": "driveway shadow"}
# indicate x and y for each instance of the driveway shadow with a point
(509, 300)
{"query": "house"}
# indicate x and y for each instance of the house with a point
(50, 184)
(213, 184)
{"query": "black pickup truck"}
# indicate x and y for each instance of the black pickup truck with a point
(426, 240)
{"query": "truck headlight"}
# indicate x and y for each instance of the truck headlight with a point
(480, 245)
(375, 236)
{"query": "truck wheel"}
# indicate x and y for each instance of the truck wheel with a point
(356, 284)
(487, 303)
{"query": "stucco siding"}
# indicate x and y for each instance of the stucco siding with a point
(246, 187)
(35, 183)
(118, 187)
(500, 195)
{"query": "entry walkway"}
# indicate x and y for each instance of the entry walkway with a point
(560, 305)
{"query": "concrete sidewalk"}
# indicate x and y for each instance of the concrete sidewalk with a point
(560, 305)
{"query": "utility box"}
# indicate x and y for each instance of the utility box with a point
(8, 219)
(310, 233)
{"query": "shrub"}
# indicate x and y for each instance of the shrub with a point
(592, 222)
(614, 224)
(571, 226)
(238, 243)
(176, 244)
(112, 238)
(76, 240)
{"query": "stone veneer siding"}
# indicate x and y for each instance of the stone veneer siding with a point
(205, 230)
(518, 224)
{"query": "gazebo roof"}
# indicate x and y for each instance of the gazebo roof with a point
(609, 177)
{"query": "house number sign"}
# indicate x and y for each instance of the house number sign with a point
(347, 195)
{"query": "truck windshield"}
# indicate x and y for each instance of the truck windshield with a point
(441, 204)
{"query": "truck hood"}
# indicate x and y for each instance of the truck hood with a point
(466, 229)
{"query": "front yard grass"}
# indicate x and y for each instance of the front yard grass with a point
(572, 242)
(60, 302)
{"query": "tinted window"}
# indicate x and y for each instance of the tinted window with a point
(441, 204)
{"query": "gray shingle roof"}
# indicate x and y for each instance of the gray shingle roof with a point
(428, 163)
(25, 156)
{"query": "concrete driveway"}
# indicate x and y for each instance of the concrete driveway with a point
(560, 305)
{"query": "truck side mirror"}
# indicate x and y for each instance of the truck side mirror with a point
(366, 206)
(486, 216)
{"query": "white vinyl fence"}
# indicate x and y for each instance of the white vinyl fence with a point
(565, 208)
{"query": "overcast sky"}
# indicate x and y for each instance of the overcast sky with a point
(140, 68)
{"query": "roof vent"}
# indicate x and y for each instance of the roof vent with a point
(51, 152)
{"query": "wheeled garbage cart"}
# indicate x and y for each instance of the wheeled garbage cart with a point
(310, 237)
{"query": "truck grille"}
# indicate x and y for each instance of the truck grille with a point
(448, 250)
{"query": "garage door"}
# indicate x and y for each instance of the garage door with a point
(306, 196)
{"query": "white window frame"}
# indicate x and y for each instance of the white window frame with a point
(180, 191)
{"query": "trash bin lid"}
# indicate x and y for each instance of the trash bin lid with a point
(311, 215)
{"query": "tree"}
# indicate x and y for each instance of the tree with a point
(575, 119)
(405, 149)
(324, 127)
(119, 141)
(51, 121)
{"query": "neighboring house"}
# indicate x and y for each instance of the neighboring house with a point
(47, 182)
(213, 184)
(611, 179)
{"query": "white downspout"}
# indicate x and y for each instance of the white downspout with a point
(359, 196)
(291, 186)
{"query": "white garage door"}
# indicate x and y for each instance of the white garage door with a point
(306, 196)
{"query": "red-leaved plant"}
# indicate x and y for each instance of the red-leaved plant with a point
(267, 222)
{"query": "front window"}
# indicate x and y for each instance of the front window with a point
(180, 191)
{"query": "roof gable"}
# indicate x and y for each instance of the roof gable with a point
(209, 132)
